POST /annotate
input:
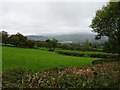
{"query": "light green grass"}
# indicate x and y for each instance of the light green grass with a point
(36, 59)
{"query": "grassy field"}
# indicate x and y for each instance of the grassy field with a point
(36, 59)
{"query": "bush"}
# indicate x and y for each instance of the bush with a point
(100, 55)
(51, 50)
(12, 78)
(97, 76)
(70, 53)
(105, 61)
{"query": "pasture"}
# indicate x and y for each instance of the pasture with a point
(37, 60)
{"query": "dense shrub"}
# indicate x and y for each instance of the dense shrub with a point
(85, 55)
(12, 78)
(51, 50)
(105, 61)
(70, 53)
(99, 55)
(97, 76)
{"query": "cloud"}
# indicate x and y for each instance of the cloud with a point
(48, 17)
(58, 0)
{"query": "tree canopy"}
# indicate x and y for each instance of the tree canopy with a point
(51, 44)
(107, 23)
(17, 39)
(4, 37)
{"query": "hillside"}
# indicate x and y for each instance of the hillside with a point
(72, 38)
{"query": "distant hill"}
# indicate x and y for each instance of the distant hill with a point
(36, 37)
(69, 38)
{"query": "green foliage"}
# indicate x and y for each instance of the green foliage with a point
(104, 75)
(3, 37)
(30, 43)
(12, 78)
(17, 40)
(0, 37)
(107, 48)
(83, 52)
(41, 44)
(78, 54)
(54, 43)
(51, 44)
(87, 46)
(107, 23)
(48, 43)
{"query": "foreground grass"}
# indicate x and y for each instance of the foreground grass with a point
(36, 59)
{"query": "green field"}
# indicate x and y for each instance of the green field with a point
(36, 59)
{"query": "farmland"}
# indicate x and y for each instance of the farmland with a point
(42, 47)
(36, 59)
(40, 68)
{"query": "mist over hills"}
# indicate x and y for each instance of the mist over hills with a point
(69, 38)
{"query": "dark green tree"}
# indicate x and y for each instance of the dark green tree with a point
(48, 43)
(107, 23)
(40, 44)
(30, 43)
(51, 44)
(54, 43)
(18, 40)
(4, 37)
(87, 45)
(0, 37)
(108, 48)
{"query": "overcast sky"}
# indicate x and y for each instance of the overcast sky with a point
(47, 17)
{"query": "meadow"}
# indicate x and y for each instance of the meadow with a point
(37, 59)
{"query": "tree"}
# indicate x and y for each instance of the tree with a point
(51, 44)
(87, 45)
(18, 40)
(108, 48)
(48, 43)
(0, 37)
(30, 43)
(4, 37)
(41, 44)
(107, 23)
(54, 43)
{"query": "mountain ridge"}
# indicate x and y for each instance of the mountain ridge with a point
(73, 37)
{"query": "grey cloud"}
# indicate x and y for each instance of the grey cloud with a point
(48, 17)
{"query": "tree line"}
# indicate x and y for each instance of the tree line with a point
(19, 40)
